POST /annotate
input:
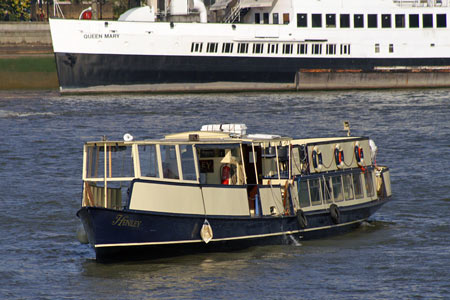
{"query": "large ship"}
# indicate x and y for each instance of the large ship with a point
(252, 44)
(222, 189)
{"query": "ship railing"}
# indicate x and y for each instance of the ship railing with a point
(422, 3)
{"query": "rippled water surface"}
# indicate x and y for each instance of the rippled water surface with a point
(404, 252)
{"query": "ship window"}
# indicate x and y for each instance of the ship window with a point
(337, 188)
(302, 48)
(441, 20)
(391, 48)
(399, 21)
(358, 21)
(212, 47)
(368, 177)
(196, 47)
(187, 162)
(227, 48)
(303, 193)
(258, 48)
(427, 21)
(386, 21)
(119, 161)
(314, 191)
(377, 48)
(345, 21)
(266, 18)
(286, 19)
(169, 161)
(148, 160)
(287, 48)
(275, 19)
(272, 48)
(330, 20)
(242, 48)
(317, 49)
(257, 18)
(348, 187)
(302, 20)
(326, 190)
(316, 20)
(413, 21)
(357, 184)
(331, 49)
(372, 21)
(345, 49)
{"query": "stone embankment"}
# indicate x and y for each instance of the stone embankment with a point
(26, 56)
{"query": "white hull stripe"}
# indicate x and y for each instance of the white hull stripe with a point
(225, 239)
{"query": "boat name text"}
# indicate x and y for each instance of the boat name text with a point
(122, 220)
(101, 36)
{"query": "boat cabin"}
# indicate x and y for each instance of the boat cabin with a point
(221, 172)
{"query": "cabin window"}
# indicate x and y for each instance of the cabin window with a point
(302, 20)
(148, 160)
(357, 185)
(345, 49)
(368, 177)
(187, 162)
(303, 194)
(257, 18)
(441, 20)
(377, 48)
(372, 21)
(283, 160)
(413, 21)
(266, 18)
(386, 21)
(348, 187)
(331, 49)
(427, 21)
(302, 48)
(272, 48)
(196, 47)
(286, 19)
(317, 49)
(258, 48)
(358, 21)
(399, 21)
(330, 20)
(212, 47)
(314, 191)
(336, 181)
(391, 48)
(275, 18)
(326, 190)
(316, 20)
(119, 162)
(269, 163)
(227, 48)
(242, 48)
(287, 48)
(169, 161)
(344, 21)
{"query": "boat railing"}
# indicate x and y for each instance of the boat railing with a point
(422, 3)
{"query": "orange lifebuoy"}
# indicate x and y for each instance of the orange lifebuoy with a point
(339, 156)
(359, 155)
(225, 174)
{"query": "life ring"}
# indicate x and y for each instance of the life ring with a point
(335, 214)
(317, 159)
(359, 154)
(339, 156)
(302, 221)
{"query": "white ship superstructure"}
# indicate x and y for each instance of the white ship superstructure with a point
(271, 43)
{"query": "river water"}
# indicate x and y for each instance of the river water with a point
(402, 253)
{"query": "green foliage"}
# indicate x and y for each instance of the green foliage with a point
(15, 10)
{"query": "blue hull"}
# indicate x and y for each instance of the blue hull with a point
(129, 235)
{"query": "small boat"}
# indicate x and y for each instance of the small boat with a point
(221, 189)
